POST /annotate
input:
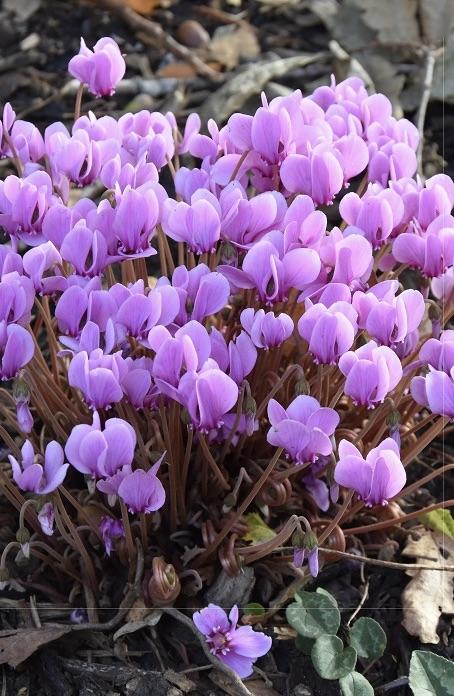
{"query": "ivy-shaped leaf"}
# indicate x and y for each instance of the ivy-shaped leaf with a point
(331, 659)
(431, 674)
(313, 615)
(354, 684)
(258, 531)
(304, 644)
(368, 638)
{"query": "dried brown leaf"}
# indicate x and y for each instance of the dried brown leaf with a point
(17, 645)
(144, 7)
(232, 44)
(430, 592)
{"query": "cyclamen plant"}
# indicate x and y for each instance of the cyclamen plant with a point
(179, 356)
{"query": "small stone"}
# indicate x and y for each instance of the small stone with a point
(30, 42)
(192, 34)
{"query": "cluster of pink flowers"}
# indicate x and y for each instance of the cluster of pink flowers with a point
(251, 229)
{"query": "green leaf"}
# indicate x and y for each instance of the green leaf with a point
(254, 609)
(431, 674)
(331, 659)
(258, 530)
(313, 615)
(304, 644)
(354, 684)
(368, 638)
(440, 521)
(332, 599)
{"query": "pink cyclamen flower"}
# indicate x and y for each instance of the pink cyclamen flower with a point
(303, 429)
(238, 648)
(142, 491)
(101, 69)
(376, 479)
(16, 349)
(266, 330)
(372, 372)
(330, 331)
(100, 452)
(32, 476)
(208, 396)
(436, 389)
(389, 319)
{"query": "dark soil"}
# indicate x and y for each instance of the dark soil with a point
(91, 664)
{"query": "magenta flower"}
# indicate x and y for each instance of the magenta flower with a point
(432, 252)
(266, 329)
(23, 204)
(17, 296)
(32, 476)
(111, 529)
(200, 291)
(237, 647)
(16, 349)
(142, 491)
(208, 396)
(272, 271)
(100, 69)
(372, 372)
(376, 479)
(330, 331)
(375, 215)
(389, 319)
(303, 429)
(100, 452)
(41, 265)
(197, 224)
(436, 389)
(98, 377)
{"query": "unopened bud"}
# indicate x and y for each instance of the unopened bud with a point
(23, 536)
(393, 419)
(185, 417)
(298, 539)
(302, 387)
(21, 390)
(310, 541)
(228, 253)
(250, 406)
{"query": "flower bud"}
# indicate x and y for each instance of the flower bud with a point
(302, 387)
(250, 406)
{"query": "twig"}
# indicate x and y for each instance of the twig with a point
(431, 56)
(156, 34)
(217, 664)
(387, 564)
(361, 603)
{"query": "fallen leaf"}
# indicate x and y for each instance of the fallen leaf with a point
(23, 9)
(245, 83)
(144, 7)
(232, 44)
(17, 645)
(430, 592)
(394, 22)
(437, 20)
(132, 626)
(178, 69)
(258, 530)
